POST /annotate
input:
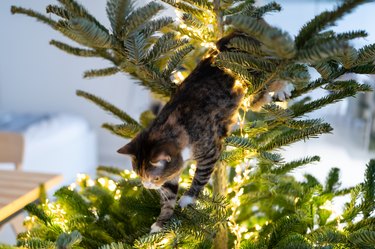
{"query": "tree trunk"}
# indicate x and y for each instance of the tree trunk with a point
(220, 184)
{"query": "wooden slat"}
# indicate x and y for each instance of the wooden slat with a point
(23, 176)
(15, 185)
(13, 198)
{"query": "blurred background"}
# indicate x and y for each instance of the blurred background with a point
(63, 132)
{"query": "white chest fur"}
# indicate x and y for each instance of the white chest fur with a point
(187, 154)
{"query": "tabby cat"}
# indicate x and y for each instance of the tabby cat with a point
(197, 117)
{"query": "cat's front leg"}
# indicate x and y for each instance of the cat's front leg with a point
(168, 195)
(206, 161)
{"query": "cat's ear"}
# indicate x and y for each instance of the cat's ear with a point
(128, 149)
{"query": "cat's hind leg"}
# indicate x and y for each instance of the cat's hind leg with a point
(168, 195)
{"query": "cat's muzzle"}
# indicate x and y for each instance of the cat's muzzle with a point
(150, 185)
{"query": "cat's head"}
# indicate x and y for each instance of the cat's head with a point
(154, 161)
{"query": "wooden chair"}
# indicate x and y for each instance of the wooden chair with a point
(11, 149)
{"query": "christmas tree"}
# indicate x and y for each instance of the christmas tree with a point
(253, 201)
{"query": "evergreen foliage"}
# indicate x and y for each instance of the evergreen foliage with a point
(264, 206)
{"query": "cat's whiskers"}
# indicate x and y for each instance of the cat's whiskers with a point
(148, 192)
(164, 196)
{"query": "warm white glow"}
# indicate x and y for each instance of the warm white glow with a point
(90, 183)
(102, 181)
(133, 175)
(112, 185)
(72, 186)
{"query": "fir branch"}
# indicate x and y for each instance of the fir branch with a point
(255, 128)
(34, 14)
(242, 73)
(135, 48)
(328, 36)
(261, 11)
(275, 112)
(294, 241)
(155, 81)
(342, 85)
(365, 69)
(33, 209)
(366, 54)
(351, 209)
(108, 170)
(309, 87)
(176, 59)
(311, 181)
(246, 44)
(123, 130)
(319, 103)
(350, 35)
(108, 107)
(151, 27)
(57, 10)
(240, 142)
(266, 34)
(292, 136)
(117, 11)
(247, 61)
(274, 158)
(332, 183)
(282, 228)
(164, 44)
(139, 17)
(101, 72)
(146, 118)
(240, 7)
(79, 11)
(295, 73)
(74, 51)
(36, 243)
(325, 69)
(303, 124)
(324, 235)
(192, 21)
(288, 167)
(348, 58)
(68, 240)
(188, 8)
(369, 189)
(324, 20)
(73, 201)
(232, 155)
(89, 34)
(362, 238)
(322, 52)
(116, 245)
(365, 223)
(204, 4)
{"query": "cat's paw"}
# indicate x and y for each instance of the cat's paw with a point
(155, 228)
(284, 92)
(186, 201)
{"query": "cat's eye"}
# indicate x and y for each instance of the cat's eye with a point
(158, 163)
(156, 179)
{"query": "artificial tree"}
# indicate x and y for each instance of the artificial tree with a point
(253, 201)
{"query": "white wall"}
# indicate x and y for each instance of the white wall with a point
(36, 77)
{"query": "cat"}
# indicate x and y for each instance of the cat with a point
(198, 116)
